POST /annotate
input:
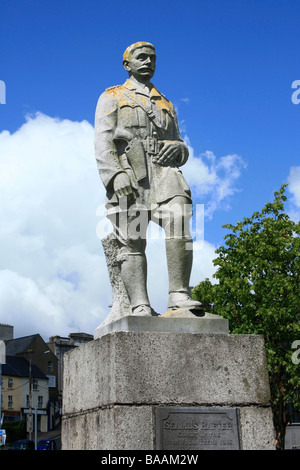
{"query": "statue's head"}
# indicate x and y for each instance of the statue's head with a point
(139, 60)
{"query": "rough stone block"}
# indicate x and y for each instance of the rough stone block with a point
(113, 385)
(116, 428)
(256, 428)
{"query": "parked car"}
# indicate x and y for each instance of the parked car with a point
(22, 445)
(46, 444)
(2, 437)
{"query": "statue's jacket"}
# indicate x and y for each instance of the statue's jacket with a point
(131, 124)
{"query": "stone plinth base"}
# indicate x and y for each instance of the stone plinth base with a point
(168, 323)
(113, 387)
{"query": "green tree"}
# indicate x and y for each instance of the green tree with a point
(257, 289)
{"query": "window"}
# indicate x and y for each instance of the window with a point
(10, 401)
(50, 366)
(40, 401)
(35, 384)
(10, 383)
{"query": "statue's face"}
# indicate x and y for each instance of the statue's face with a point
(141, 64)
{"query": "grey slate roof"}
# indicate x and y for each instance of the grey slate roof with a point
(19, 345)
(19, 367)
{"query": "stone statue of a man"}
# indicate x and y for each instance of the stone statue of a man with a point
(139, 151)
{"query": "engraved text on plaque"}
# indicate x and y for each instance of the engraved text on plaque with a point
(196, 428)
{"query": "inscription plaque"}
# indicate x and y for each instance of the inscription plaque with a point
(196, 428)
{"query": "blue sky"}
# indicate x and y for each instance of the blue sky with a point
(227, 66)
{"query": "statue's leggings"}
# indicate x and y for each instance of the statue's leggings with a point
(130, 229)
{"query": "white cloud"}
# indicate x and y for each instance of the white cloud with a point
(294, 184)
(294, 189)
(53, 275)
(212, 180)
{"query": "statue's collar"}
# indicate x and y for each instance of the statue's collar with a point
(133, 85)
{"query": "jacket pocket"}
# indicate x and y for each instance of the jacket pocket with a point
(132, 116)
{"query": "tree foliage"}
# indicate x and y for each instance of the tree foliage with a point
(258, 273)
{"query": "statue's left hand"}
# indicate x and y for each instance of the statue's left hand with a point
(170, 151)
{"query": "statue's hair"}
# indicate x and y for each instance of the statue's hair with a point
(133, 47)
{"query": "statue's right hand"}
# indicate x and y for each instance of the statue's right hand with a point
(122, 185)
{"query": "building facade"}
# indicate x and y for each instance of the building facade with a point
(25, 393)
(30, 372)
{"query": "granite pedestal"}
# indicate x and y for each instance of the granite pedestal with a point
(120, 390)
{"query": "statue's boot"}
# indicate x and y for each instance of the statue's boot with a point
(134, 276)
(180, 259)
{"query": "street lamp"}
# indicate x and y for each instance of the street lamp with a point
(30, 351)
(0, 394)
(2, 361)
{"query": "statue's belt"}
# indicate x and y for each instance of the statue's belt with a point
(151, 145)
(136, 153)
